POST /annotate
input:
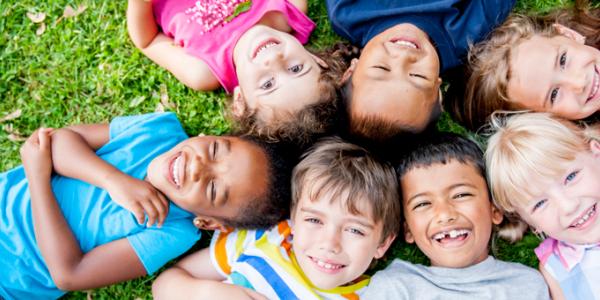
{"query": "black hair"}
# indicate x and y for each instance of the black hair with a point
(273, 206)
(440, 148)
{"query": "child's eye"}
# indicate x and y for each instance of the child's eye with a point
(571, 176)
(356, 231)
(462, 195)
(212, 191)
(539, 204)
(418, 75)
(382, 68)
(313, 220)
(420, 204)
(563, 59)
(553, 96)
(268, 84)
(213, 149)
(296, 68)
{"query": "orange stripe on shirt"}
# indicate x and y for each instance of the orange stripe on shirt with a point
(221, 253)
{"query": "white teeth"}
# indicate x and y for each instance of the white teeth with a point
(585, 217)
(406, 43)
(596, 85)
(325, 265)
(267, 45)
(451, 234)
(176, 171)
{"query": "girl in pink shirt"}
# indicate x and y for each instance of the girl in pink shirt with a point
(253, 49)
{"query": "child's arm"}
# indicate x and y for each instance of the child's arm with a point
(555, 290)
(145, 35)
(195, 277)
(301, 5)
(69, 267)
(73, 155)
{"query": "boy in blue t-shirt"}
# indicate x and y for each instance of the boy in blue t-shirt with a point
(81, 228)
(394, 86)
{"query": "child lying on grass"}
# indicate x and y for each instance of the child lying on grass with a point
(75, 229)
(345, 213)
(449, 215)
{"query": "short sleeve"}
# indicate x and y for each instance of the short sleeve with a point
(226, 247)
(165, 122)
(156, 246)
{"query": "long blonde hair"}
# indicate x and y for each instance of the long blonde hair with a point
(489, 61)
(530, 145)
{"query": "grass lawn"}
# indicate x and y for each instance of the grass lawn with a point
(79, 66)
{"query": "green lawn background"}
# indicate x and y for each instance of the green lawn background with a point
(83, 69)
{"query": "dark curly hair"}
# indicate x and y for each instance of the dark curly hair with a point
(316, 120)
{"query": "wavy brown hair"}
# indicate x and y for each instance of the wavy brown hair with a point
(313, 121)
(489, 61)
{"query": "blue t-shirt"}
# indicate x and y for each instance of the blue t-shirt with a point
(450, 24)
(93, 217)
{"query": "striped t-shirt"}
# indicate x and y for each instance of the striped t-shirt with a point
(263, 260)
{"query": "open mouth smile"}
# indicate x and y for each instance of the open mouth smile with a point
(264, 45)
(326, 266)
(176, 168)
(585, 219)
(595, 84)
(454, 237)
(405, 42)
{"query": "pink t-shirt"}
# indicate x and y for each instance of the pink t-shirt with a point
(202, 28)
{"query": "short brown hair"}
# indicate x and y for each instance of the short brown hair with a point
(353, 176)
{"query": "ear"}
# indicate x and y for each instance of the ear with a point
(595, 147)
(570, 33)
(497, 215)
(384, 246)
(208, 223)
(408, 236)
(238, 106)
(319, 61)
(348, 73)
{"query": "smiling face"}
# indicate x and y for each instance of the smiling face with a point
(556, 74)
(333, 246)
(567, 210)
(397, 77)
(448, 213)
(211, 175)
(276, 73)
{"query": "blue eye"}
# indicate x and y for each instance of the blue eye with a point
(539, 204)
(571, 176)
(356, 231)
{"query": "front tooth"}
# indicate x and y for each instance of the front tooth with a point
(453, 234)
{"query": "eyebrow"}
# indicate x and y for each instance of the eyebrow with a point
(227, 144)
(350, 219)
(225, 197)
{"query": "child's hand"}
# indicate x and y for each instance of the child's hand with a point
(139, 197)
(36, 154)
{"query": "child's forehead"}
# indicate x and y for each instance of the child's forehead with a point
(441, 176)
(340, 201)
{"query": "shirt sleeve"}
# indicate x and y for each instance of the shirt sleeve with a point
(154, 121)
(226, 247)
(156, 246)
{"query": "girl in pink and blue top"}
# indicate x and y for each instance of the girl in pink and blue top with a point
(253, 49)
(546, 170)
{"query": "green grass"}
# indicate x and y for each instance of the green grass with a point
(84, 69)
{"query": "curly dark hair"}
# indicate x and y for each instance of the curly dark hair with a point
(273, 206)
(316, 120)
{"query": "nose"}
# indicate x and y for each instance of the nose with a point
(567, 205)
(445, 213)
(575, 81)
(276, 58)
(330, 241)
(196, 167)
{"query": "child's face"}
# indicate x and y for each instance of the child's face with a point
(397, 77)
(333, 246)
(558, 75)
(448, 213)
(211, 175)
(276, 73)
(567, 210)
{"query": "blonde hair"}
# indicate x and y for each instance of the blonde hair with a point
(530, 145)
(489, 61)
